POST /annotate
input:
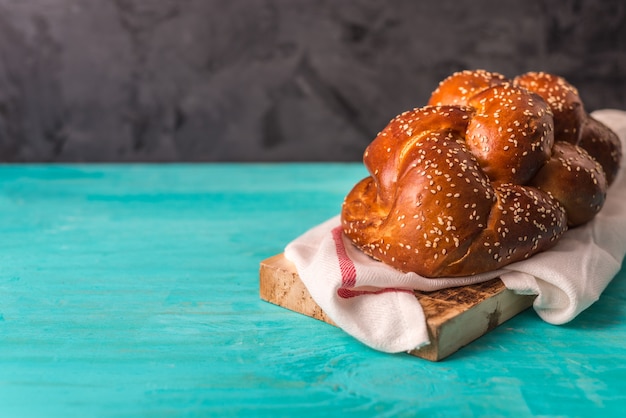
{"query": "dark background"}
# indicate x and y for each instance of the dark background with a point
(261, 80)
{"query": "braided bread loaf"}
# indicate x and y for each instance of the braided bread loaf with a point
(490, 172)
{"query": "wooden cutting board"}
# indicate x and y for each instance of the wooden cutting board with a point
(454, 317)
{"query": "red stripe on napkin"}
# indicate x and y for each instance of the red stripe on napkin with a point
(348, 271)
(346, 266)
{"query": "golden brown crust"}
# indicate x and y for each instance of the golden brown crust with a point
(567, 106)
(511, 133)
(459, 87)
(386, 157)
(487, 174)
(522, 222)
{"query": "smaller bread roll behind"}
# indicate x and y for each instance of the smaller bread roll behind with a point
(567, 106)
(459, 87)
(603, 145)
(576, 180)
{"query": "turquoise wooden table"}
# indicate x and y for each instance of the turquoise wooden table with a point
(132, 290)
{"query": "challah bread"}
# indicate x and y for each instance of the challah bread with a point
(490, 172)
(428, 206)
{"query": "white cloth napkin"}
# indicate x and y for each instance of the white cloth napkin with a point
(373, 302)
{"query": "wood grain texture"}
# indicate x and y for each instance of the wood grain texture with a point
(454, 317)
(133, 291)
(280, 284)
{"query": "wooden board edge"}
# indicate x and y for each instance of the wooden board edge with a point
(280, 285)
(471, 324)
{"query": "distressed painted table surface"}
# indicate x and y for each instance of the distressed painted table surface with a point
(133, 290)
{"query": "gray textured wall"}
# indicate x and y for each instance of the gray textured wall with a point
(257, 80)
